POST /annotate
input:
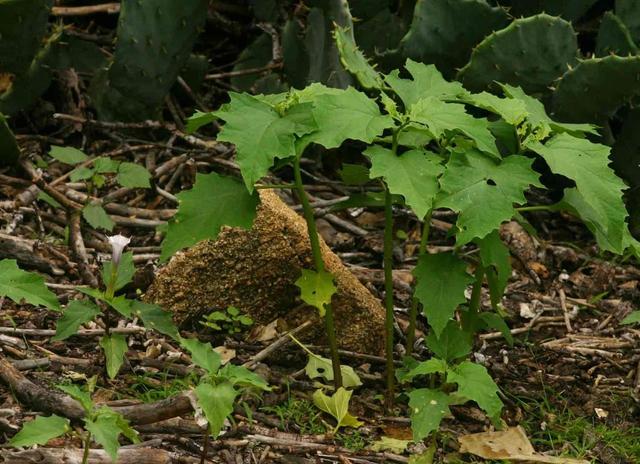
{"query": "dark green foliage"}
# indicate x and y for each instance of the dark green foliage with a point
(23, 23)
(9, 151)
(154, 42)
(629, 12)
(614, 37)
(530, 53)
(443, 32)
(59, 52)
(570, 10)
(596, 88)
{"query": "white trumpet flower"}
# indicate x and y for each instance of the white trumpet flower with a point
(118, 244)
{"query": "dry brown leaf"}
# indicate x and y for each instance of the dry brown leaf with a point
(512, 444)
(226, 354)
(264, 333)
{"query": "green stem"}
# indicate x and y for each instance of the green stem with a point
(319, 265)
(87, 447)
(388, 284)
(525, 209)
(413, 311)
(476, 293)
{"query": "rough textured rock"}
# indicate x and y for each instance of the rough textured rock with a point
(255, 271)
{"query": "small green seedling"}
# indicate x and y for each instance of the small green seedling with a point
(101, 424)
(230, 320)
(93, 171)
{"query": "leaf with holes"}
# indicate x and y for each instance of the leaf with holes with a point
(484, 191)
(316, 288)
(317, 366)
(428, 408)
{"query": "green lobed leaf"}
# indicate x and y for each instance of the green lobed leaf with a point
(483, 191)
(428, 408)
(316, 288)
(343, 115)
(413, 174)
(77, 312)
(81, 173)
(202, 354)
(242, 377)
(260, 133)
(439, 117)
(40, 430)
(156, 318)
(512, 110)
(338, 406)
(475, 383)
(427, 82)
(126, 270)
(227, 204)
(132, 175)
(105, 165)
(115, 348)
(452, 344)
(19, 285)
(442, 279)
(97, 217)
(317, 366)
(217, 403)
(67, 155)
(354, 60)
(105, 431)
(598, 191)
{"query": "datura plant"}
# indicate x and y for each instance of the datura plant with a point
(430, 144)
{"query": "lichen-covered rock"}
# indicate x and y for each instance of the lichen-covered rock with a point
(256, 270)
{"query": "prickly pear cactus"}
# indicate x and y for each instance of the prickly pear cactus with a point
(154, 39)
(614, 37)
(443, 32)
(571, 10)
(594, 89)
(530, 53)
(23, 23)
(629, 12)
(9, 151)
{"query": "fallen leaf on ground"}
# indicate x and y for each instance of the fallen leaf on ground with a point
(390, 444)
(512, 444)
(226, 354)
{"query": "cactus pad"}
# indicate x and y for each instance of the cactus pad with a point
(571, 10)
(596, 88)
(154, 40)
(23, 23)
(444, 32)
(629, 12)
(530, 53)
(614, 37)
